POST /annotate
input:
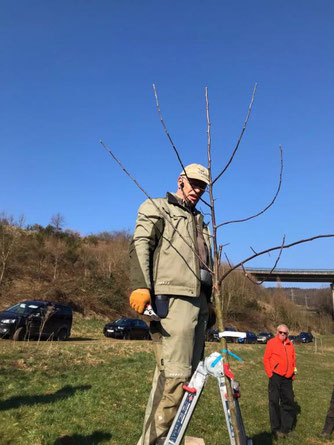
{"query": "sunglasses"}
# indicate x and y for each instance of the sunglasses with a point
(283, 333)
(199, 185)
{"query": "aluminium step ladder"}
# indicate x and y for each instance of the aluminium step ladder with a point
(214, 366)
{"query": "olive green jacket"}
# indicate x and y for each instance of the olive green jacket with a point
(160, 260)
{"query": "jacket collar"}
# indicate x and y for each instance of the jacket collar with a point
(172, 198)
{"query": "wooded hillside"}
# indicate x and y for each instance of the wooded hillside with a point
(91, 273)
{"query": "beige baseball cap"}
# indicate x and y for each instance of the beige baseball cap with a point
(196, 171)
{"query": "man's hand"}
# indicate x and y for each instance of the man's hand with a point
(139, 298)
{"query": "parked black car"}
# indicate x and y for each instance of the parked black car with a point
(304, 337)
(127, 329)
(263, 337)
(36, 319)
(213, 335)
(250, 338)
(292, 338)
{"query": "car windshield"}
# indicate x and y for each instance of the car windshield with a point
(121, 322)
(263, 333)
(23, 308)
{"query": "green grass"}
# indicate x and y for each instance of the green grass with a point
(94, 392)
(83, 328)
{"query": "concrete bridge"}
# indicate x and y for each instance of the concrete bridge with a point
(295, 275)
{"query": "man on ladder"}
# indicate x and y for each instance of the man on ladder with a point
(169, 256)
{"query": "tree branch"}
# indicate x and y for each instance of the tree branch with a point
(270, 250)
(220, 249)
(268, 206)
(172, 143)
(227, 259)
(272, 269)
(240, 137)
(216, 268)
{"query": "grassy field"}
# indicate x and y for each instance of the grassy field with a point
(93, 390)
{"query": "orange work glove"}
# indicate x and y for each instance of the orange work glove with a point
(139, 298)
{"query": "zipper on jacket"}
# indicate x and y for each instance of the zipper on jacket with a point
(287, 359)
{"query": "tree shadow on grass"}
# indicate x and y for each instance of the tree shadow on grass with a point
(71, 339)
(298, 411)
(63, 393)
(264, 438)
(79, 439)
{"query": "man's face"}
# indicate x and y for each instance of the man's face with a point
(190, 190)
(282, 333)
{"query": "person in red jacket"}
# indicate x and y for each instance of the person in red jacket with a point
(280, 365)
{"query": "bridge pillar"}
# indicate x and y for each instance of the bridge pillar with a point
(332, 287)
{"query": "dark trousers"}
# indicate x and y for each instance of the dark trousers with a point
(329, 422)
(281, 403)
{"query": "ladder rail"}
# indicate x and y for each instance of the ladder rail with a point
(187, 407)
(223, 395)
(212, 365)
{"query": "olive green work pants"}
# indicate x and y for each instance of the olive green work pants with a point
(178, 342)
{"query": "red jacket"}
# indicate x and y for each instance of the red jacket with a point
(279, 357)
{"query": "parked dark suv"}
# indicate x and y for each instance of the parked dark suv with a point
(250, 338)
(263, 337)
(304, 337)
(127, 329)
(36, 319)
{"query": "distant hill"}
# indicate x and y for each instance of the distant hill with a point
(315, 299)
(47, 263)
(91, 273)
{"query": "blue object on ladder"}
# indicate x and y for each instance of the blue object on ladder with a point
(213, 364)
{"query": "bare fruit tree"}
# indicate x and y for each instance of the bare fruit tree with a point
(57, 221)
(10, 232)
(218, 273)
(54, 245)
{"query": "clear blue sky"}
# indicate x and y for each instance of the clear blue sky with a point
(74, 72)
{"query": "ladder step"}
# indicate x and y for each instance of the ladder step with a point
(193, 441)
